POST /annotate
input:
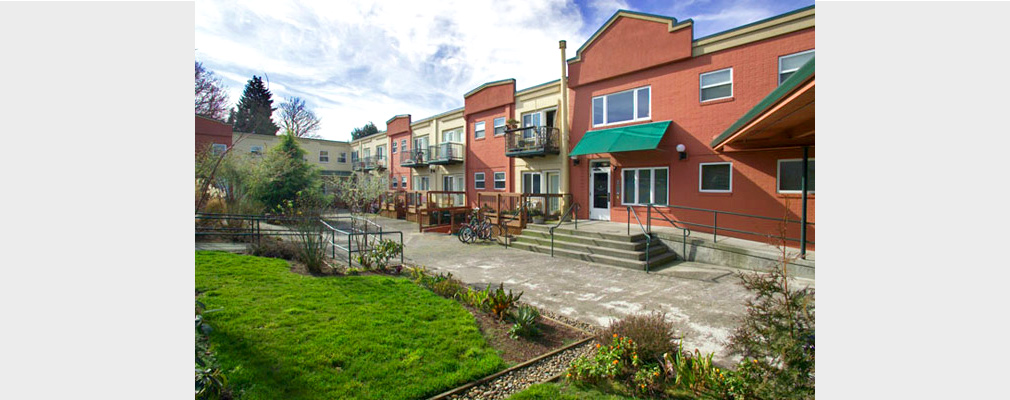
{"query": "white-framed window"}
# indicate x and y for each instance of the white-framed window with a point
(392, 148)
(478, 130)
(256, 149)
(789, 177)
(499, 126)
(499, 181)
(219, 148)
(342, 158)
(478, 180)
(403, 181)
(421, 183)
(716, 85)
(403, 144)
(646, 185)
(715, 177)
(380, 152)
(324, 156)
(532, 182)
(627, 106)
(394, 182)
(452, 136)
(354, 156)
(790, 63)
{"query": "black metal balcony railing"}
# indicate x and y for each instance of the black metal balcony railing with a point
(446, 153)
(414, 157)
(368, 163)
(532, 141)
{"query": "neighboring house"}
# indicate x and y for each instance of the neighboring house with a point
(212, 133)
(331, 157)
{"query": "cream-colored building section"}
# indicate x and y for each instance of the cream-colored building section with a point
(540, 99)
(762, 30)
(435, 129)
(324, 154)
(367, 146)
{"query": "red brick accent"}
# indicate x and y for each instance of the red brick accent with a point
(398, 129)
(629, 45)
(487, 155)
(210, 131)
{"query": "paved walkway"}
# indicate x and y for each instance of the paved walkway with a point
(703, 301)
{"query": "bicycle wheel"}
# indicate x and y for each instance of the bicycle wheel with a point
(470, 236)
(463, 233)
(493, 232)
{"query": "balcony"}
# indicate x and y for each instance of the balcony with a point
(414, 157)
(368, 163)
(532, 141)
(446, 153)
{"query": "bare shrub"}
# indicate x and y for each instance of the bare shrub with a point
(653, 334)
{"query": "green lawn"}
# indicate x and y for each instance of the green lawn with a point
(564, 391)
(282, 335)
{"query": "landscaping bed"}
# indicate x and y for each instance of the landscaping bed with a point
(553, 335)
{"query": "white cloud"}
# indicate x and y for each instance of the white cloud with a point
(360, 62)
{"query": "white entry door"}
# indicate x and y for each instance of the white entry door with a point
(599, 190)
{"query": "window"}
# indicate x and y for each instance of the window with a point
(354, 156)
(790, 176)
(394, 183)
(478, 180)
(324, 156)
(453, 136)
(256, 149)
(380, 152)
(531, 182)
(392, 149)
(342, 158)
(531, 119)
(499, 181)
(717, 85)
(645, 185)
(219, 148)
(626, 106)
(403, 181)
(715, 177)
(403, 144)
(478, 130)
(789, 64)
(499, 126)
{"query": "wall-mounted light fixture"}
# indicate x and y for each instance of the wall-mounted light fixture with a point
(683, 151)
(575, 160)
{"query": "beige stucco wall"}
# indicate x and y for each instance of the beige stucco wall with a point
(244, 142)
(538, 99)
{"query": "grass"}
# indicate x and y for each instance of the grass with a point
(284, 335)
(564, 391)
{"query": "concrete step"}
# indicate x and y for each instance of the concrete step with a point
(634, 237)
(598, 258)
(656, 249)
(587, 240)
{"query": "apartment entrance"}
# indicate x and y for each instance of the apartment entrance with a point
(599, 190)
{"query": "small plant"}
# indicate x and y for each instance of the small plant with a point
(525, 318)
(617, 361)
(512, 123)
(479, 299)
(210, 381)
(500, 302)
(652, 332)
(447, 287)
(379, 255)
(692, 372)
(274, 248)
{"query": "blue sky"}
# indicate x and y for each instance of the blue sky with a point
(360, 61)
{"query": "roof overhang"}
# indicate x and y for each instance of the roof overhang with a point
(784, 118)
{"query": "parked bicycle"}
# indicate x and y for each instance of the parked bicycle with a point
(479, 227)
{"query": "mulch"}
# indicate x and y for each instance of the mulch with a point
(552, 336)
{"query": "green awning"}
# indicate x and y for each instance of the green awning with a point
(800, 76)
(625, 138)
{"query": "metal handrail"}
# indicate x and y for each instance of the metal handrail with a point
(684, 231)
(715, 223)
(350, 248)
(648, 236)
(575, 216)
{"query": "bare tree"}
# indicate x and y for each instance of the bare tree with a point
(211, 97)
(297, 118)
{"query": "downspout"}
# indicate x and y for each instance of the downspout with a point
(565, 164)
(803, 219)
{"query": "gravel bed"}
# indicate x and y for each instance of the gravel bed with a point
(592, 329)
(518, 380)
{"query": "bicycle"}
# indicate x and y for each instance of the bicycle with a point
(479, 228)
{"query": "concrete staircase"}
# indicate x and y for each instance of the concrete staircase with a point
(596, 247)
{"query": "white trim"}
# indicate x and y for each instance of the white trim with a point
(531, 173)
(495, 180)
(495, 126)
(634, 107)
(702, 88)
(701, 166)
(778, 176)
(327, 156)
(779, 75)
(481, 180)
(652, 186)
(482, 130)
(392, 147)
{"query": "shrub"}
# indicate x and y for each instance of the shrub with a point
(447, 287)
(479, 299)
(777, 335)
(692, 372)
(274, 247)
(651, 332)
(525, 319)
(500, 303)
(210, 381)
(617, 361)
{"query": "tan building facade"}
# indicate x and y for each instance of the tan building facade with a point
(330, 156)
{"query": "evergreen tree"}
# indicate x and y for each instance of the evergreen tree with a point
(283, 173)
(367, 130)
(255, 110)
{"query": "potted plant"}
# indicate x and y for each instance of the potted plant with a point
(536, 215)
(512, 123)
